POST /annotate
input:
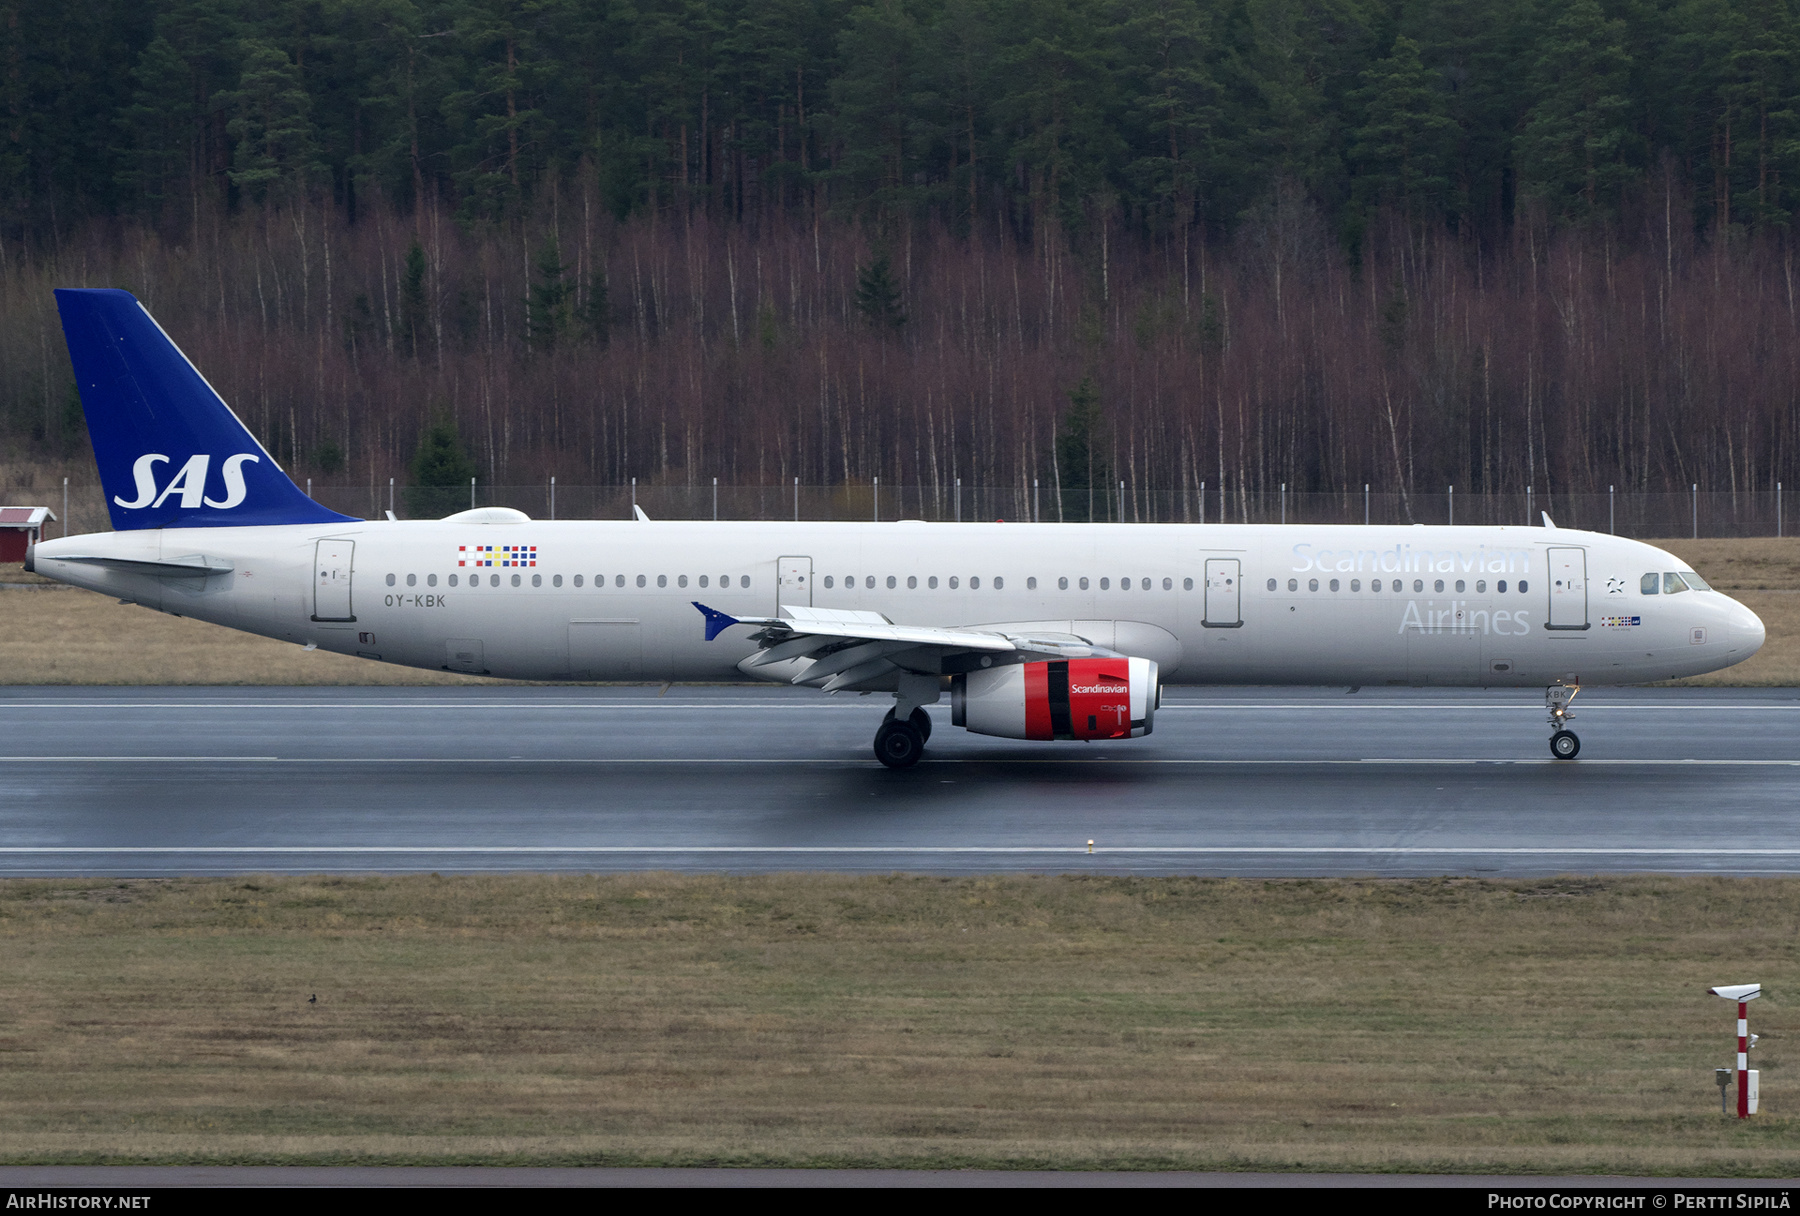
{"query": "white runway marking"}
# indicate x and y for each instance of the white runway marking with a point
(890, 850)
(1525, 703)
(860, 762)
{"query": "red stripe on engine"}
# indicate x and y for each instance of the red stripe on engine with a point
(1037, 701)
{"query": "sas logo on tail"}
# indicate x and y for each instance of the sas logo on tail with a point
(189, 482)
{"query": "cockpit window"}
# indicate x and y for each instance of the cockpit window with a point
(1694, 580)
(1672, 583)
(1651, 584)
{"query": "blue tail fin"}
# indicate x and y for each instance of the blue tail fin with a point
(171, 452)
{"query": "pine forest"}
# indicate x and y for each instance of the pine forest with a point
(1256, 243)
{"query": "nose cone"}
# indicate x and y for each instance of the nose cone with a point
(1746, 632)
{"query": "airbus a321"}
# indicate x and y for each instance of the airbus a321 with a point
(1033, 631)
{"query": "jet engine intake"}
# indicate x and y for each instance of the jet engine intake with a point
(1060, 699)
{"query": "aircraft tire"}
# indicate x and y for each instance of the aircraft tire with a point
(921, 722)
(898, 744)
(1565, 745)
(920, 719)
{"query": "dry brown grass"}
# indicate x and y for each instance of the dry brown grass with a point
(76, 637)
(63, 635)
(1558, 1025)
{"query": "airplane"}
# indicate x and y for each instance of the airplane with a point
(1034, 631)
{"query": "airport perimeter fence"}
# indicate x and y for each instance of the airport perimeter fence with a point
(1694, 512)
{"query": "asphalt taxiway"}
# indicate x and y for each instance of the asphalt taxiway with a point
(157, 781)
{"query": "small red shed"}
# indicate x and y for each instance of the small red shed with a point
(19, 528)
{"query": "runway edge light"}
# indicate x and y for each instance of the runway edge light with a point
(1743, 994)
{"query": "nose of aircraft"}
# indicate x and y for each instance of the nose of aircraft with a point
(1745, 629)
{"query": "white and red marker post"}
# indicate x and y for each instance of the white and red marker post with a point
(1743, 994)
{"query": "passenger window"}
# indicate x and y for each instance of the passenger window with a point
(1106, 584)
(390, 580)
(453, 580)
(493, 580)
(1272, 584)
(828, 582)
(1650, 584)
(1438, 586)
(1524, 586)
(912, 582)
(578, 580)
(1187, 584)
(954, 583)
(1672, 584)
(1500, 586)
(1356, 584)
(1293, 584)
(1031, 583)
(999, 583)
(869, 582)
(1312, 584)
(515, 580)
(1374, 584)
(1418, 585)
(431, 580)
(556, 580)
(1062, 584)
(1168, 584)
(1460, 585)
(537, 580)
(744, 581)
(412, 580)
(702, 580)
(682, 581)
(1084, 583)
(1481, 586)
(640, 580)
(975, 584)
(931, 583)
(1334, 584)
(890, 582)
(618, 580)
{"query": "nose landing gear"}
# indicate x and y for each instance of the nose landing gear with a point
(1564, 743)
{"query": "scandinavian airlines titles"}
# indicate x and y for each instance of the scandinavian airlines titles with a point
(1404, 559)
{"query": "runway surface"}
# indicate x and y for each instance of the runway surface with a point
(1233, 782)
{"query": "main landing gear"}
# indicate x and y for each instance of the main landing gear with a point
(901, 738)
(899, 744)
(1564, 743)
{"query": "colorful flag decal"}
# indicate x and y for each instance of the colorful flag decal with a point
(496, 555)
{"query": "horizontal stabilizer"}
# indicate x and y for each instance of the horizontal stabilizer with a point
(196, 566)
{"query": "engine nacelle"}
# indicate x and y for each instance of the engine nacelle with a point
(1059, 699)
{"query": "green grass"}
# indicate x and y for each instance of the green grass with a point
(812, 1020)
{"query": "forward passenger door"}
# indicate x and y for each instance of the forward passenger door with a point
(1568, 588)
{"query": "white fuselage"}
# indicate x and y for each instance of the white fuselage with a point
(1211, 604)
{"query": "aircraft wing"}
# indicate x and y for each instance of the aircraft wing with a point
(834, 650)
